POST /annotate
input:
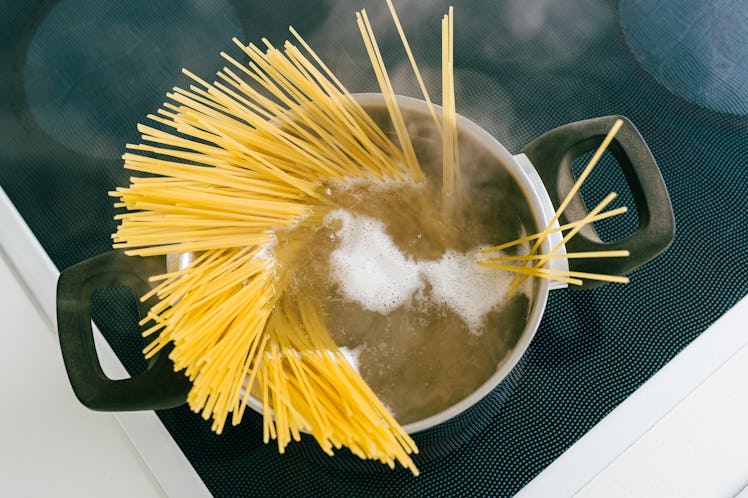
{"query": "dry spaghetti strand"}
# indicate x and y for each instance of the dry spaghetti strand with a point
(519, 279)
(565, 255)
(568, 226)
(413, 64)
(314, 388)
(580, 180)
(231, 164)
(372, 48)
(577, 227)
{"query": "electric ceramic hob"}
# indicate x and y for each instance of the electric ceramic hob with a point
(605, 365)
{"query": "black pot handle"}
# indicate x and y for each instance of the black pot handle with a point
(159, 386)
(553, 153)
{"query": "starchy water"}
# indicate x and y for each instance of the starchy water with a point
(395, 274)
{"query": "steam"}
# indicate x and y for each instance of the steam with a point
(490, 36)
(89, 96)
(492, 39)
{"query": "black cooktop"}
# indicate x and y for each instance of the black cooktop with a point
(79, 74)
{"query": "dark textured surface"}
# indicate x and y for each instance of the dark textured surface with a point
(697, 50)
(522, 67)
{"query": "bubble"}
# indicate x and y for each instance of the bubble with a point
(352, 355)
(371, 270)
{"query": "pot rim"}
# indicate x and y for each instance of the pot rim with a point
(542, 209)
(534, 191)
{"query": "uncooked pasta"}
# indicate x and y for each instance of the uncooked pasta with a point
(243, 173)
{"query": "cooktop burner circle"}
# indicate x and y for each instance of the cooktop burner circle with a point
(697, 50)
(93, 70)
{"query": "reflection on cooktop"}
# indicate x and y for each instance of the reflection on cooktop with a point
(79, 75)
(92, 71)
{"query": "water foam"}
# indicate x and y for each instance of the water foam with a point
(468, 289)
(368, 266)
(372, 271)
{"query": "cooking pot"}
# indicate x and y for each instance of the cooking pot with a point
(541, 176)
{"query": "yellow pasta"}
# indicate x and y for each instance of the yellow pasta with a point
(389, 95)
(413, 64)
(234, 163)
(309, 381)
(518, 280)
(568, 226)
(451, 163)
(565, 255)
(233, 167)
(523, 272)
(584, 221)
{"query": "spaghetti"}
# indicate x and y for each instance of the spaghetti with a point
(385, 85)
(521, 276)
(522, 272)
(237, 161)
(234, 169)
(451, 163)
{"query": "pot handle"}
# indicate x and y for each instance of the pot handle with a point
(159, 386)
(553, 153)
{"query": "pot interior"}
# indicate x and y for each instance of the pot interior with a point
(429, 373)
(428, 366)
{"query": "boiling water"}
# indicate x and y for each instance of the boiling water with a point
(393, 270)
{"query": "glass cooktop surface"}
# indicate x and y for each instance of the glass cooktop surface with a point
(79, 75)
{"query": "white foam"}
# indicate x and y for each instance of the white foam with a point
(351, 355)
(267, 250)
(468, 289)
(372, 271)
(368, 266)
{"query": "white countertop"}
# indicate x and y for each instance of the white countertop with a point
(684, 433)
(51, 444)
